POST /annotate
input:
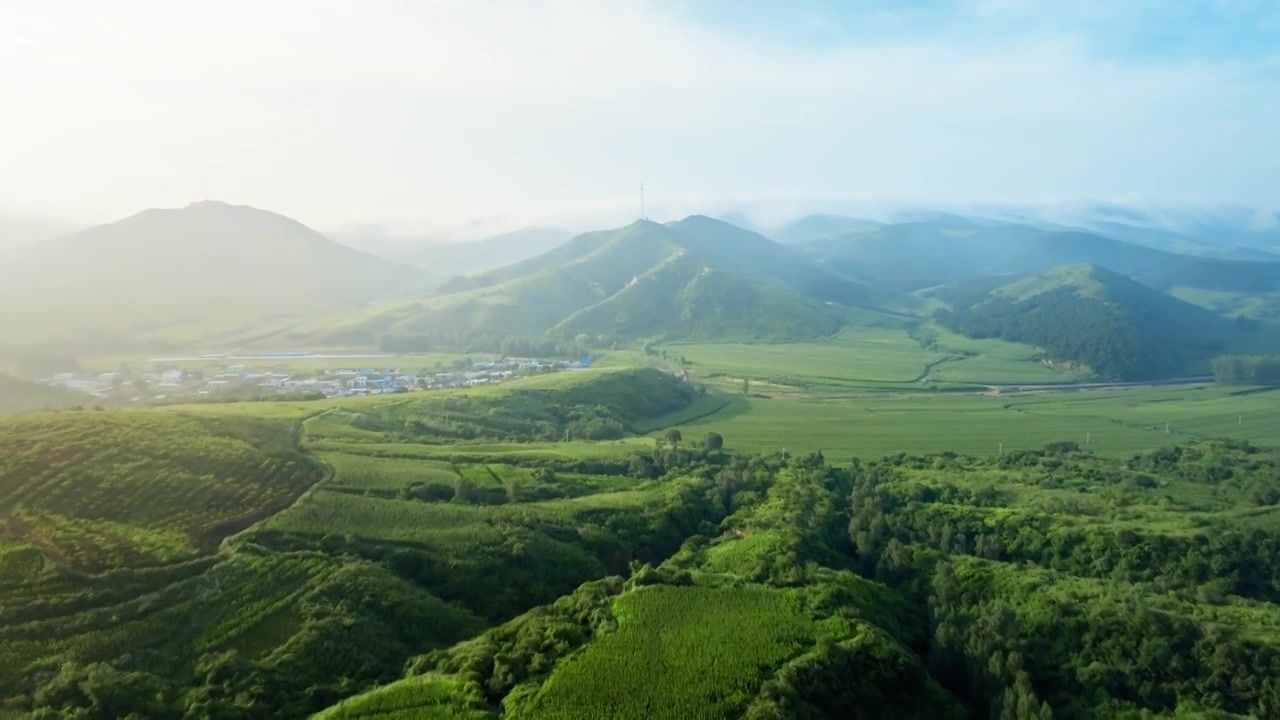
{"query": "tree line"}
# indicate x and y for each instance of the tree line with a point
(1247, 369)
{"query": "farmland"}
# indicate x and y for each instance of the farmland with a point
(869, 359)
(1115, 423)
(734, 637)
(104, 490)
(302, 553)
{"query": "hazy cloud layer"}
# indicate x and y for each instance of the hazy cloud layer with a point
(339, 112)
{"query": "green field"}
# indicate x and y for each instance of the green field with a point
(868, 358)
(856, 356)
(1115, 422)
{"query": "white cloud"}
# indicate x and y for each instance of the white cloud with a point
(442, 111)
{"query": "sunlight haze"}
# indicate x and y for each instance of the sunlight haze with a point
(443, 113)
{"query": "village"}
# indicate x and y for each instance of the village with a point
(237, 379)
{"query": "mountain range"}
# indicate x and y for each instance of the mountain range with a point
(696, 278)
(914, 255)
(213, 273)
(189, 273)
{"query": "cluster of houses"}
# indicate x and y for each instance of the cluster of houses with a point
(240, 379)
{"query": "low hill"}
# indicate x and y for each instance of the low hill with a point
(694, 278)
(916, 255)
(19, 396)
(1087, 315)
(185, 275)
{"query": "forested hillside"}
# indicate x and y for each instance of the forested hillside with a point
(912, 587)
(436, 556)
(1115, 327)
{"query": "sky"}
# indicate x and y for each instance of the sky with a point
(452, 113)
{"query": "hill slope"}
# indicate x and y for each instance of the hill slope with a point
(695, 278)
(922, 254)
(186, 274)
(1085, 314)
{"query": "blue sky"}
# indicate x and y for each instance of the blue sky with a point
(500, 112)
(1126, 30)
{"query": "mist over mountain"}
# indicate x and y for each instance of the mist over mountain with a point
(196, 272)
(445, 258)
(20, 230)
(915, 255)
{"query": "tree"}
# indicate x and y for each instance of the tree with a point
(713, 442)
(674, 437)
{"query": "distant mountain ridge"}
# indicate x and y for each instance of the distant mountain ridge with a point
(915, 255)
(196, 271)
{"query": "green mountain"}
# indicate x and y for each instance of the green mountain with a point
(696, 278)
(186, 275)
(915, 255)
(1090, 316)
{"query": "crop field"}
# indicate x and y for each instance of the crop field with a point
(990, 361)
(855, 357)
(363, 472)
(100, 490)
(439, 524)
(171, 622)
(871, 359)
(481, 451)
(1116, 423)
(678, 653)
(1188, 411)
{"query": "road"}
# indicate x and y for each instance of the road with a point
(1074, 387)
